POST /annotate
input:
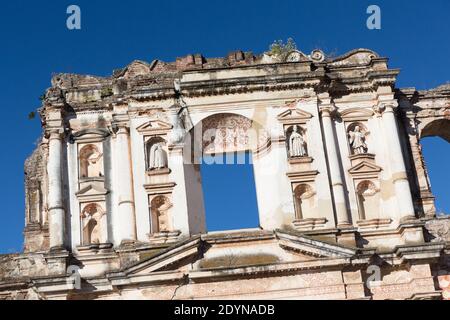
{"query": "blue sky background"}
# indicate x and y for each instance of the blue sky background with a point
(34, 43)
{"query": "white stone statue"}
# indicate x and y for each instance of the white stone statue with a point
(157, 159)
(296, 144)
(357, 141)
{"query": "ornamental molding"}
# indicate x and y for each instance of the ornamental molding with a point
(365, 169)
(154, 127)
(91, 193)
(356, 114)
(294, 116)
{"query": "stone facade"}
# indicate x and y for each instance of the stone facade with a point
(114, 201)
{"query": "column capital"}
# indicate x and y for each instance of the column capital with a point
(328, 110)
(54, 133)
(385, 106)
(122, 127)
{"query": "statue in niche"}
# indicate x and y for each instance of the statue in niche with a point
(357, 141)
(157, 157)
(91, 225)
(296, 144)
(90, 162)
(160, 207)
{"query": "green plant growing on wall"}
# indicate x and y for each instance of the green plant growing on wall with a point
(279, 48)
(31, 115)
(106, 92)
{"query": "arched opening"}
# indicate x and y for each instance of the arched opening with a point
(159, 211)
(368, 200)
(91, 224)
(435, 138)
(304, 200)
(222, 148)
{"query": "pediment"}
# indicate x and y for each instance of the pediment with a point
(164, 260)
(201, 257)
(305, 249)
(353, 114)
(91, 190)
(311, 247)
(154, 127)
(137, 68)
(294, 116)
(364, 167)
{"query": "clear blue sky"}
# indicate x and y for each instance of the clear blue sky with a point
(34, 43)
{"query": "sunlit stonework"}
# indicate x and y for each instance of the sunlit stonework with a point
(114, 195)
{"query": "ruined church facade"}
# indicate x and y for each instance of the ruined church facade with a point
(114, 199)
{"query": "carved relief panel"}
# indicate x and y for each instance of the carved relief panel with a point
(226, 133)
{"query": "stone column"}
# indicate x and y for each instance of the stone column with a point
(334, 167)
(399, 176)
(124, 182)
(55, 199)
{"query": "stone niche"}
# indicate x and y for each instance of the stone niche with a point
(306, 208)
(93, 224)
(161, 217)
(157, 185)
(91, 194)
(296, 137)
(301, 173)
(154, 134)
(307, 214)
(90, 155)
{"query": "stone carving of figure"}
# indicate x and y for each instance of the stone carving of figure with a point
(157, 159)
(91, 225)
(160, 209)
(296, 144)
(357, 141)
(185, 119)
(93, 159)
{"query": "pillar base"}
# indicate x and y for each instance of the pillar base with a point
(58, 249)
(128, 243)
(408, 219)
(344, 225)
